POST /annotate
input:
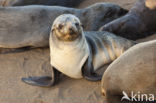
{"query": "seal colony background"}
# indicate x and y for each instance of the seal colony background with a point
(36, 62)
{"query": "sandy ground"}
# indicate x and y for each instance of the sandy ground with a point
(35, 62)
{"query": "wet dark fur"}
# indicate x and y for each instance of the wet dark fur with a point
(140, 22)
(66, 3)
(31, 25)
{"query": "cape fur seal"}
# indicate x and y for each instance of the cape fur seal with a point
(139, 22)
(30, 25)
(78, 54)
(134, 71)
(66, 3)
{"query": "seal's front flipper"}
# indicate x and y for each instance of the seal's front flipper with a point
(89, 73)
(93, 77)
(43, 81)
(39, 81)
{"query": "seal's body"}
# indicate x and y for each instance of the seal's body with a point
(139, 22)
(66, 3)
(77, 54)
(30, 25)
(134, 71)
(103, 47)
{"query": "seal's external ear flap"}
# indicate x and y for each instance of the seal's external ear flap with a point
(82, 25)
(52, 30)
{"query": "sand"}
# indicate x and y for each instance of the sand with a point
(35, 62)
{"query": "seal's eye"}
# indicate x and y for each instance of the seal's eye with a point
(77, 24)
(60, 26)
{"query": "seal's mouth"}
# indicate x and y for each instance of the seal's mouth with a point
(72, 32)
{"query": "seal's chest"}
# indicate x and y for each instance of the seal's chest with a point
(69, 63)
(69, 60)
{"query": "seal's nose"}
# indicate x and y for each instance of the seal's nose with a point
(71, 31)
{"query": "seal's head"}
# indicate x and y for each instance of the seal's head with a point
(67, 27)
